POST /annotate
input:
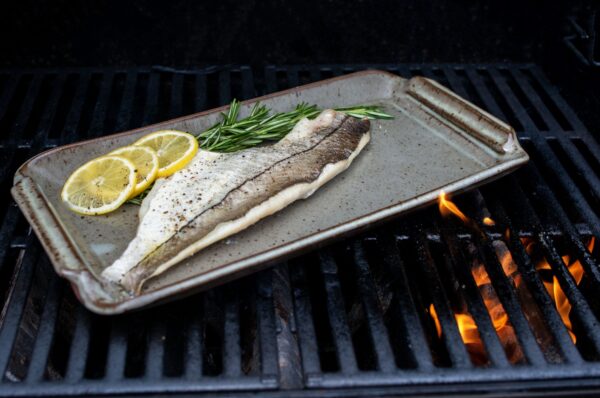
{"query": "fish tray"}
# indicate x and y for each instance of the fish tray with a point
(436, 141)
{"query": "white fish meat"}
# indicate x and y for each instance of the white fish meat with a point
(220, 194)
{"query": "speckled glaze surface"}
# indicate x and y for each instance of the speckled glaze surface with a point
(436, 141)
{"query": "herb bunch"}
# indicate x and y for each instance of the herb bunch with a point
(232, 134)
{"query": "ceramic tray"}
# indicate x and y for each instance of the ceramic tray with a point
(436, 141)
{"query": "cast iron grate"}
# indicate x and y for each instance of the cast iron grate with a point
(352, 317)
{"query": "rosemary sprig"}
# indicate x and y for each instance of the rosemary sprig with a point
(232, 135)
(365, 111)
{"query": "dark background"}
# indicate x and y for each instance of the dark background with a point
(195, 33)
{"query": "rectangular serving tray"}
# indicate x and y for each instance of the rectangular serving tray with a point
(436, 141)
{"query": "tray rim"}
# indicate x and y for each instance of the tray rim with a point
(205, 112)
(246, 265)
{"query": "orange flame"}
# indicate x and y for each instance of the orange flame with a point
(508, 265)
(488, 221)
(436, 320)
(466, 326)
(465, 322)
(447, 207)
(468, 329)
(563, 306)
(490, 299)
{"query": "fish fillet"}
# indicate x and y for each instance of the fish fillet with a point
(220, 194)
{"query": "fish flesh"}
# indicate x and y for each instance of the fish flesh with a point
(219, 194)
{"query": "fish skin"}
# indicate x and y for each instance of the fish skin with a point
(226, 188)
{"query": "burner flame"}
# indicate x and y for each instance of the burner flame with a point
(498, 316)
(466, 327)
(449, 208)
(563, 306)
(489, 222)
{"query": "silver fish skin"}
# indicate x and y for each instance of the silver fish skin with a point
(220, 194)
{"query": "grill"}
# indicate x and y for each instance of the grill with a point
(352, 318)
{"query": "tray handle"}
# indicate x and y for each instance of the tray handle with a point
(481, 125)
(34, 205)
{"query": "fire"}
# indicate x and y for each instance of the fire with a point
(465, 322)
(447, 207)
(563, 306)
(492, 303)
(466, 326)
(488, 221)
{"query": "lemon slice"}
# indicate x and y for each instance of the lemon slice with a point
(100, 186)
(145, 161)
(174, 148)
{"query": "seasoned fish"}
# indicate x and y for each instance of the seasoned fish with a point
(220, 194)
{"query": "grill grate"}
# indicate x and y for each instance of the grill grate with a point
(354, 315)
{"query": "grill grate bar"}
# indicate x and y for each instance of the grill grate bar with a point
(531, 219)
(8, 94)
(518, 109)
(451, 336)
(70, 129)
(15, 304)
(45, 333)
(200, 94)
(156, 348)
(247, 83)
(18, 128)
(568, 285)
(545, 152)
(561, 104)
(583, 168)
(194, 343)
(529, 274)
(152, 94)
(231, 344)
(290, 362)
(265, 315)
(125, 111)
(415, 334)
(490, 103)
(455, 84)
(508, 297)
(304, 322)
(579, 303)
(7, 229)
(292, 77)
(79, 346)
(101, 107)
(372, 307)
(337, 314)
(271, 79)
(224, 88)
(552, 210)
(535, 100)
(176, 102)
(477, 308)
(45, 122)
(117, 351)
